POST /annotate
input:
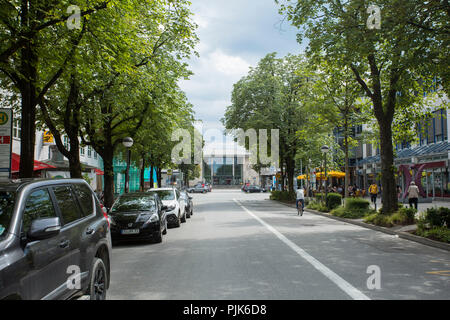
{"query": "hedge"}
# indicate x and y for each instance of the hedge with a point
(334, 200)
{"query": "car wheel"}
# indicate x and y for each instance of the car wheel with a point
(188, 214)
(183, 218)
(157, 237)
(97, 287)
(178, 224)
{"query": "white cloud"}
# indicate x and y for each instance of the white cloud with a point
(229, 65)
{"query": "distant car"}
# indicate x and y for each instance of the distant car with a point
(138, 216)
(189, 204)
(197, 189)
(48, 227)
(253, 189)
(174, 205)
(244, 187)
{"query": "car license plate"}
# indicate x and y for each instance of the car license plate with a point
(130, 231)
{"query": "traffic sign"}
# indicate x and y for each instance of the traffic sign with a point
(6, 116)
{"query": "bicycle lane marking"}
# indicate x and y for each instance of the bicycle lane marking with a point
(341, 283)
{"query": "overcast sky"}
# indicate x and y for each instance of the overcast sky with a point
(234, 35)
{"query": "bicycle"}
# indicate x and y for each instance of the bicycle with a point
(299, 208)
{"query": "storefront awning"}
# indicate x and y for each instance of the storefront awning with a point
(38, 165)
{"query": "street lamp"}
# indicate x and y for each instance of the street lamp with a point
(325, 150)
(127, 143)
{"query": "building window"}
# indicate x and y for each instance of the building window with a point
(66, 142)
(89, 151)
(82, 151)
(95, 154)
(16, 128)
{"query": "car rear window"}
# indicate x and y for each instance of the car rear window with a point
(85, 198)
(69, 208)
(7, 200)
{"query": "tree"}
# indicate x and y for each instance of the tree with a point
(337, 101)
(32, 64)
(398, 58)
(271, 97)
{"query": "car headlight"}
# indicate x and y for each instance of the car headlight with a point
(154, 218)
(171, 208)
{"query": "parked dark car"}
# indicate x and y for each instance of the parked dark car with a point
(138, 216)
(244, 187)
(252, 189)
(52, 232)
(199, 188)
(189, 208)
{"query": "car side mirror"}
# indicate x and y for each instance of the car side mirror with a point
(191, 198)
(164, 208)
(44, 228)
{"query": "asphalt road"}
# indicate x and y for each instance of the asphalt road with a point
(242, 246)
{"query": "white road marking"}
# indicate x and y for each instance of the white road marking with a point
(341, 283)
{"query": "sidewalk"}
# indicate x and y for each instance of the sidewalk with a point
(422, 207)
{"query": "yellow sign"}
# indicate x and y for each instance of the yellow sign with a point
(48, 137)
(3, 118)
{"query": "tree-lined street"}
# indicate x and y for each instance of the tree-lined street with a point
(224, 252)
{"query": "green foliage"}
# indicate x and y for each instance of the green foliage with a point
(281, 196)
(437, 217)
(356, 204)
(436, 233)
(317, 205)
(379, 219)
(87, 178)
(334, 200)
(404, 216)
(349, 214)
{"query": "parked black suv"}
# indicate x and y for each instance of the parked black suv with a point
(55, 241)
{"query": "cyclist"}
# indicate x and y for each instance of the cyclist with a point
(300, 198)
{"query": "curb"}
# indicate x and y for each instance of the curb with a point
(403, 235)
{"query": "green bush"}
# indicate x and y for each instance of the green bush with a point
(438, 233)
(379, 220)
(281, 196)
(319, 196)
(349, 214)
(334, 200)
(317, 205)
(410, 214)
(356, 204)
(438, 217)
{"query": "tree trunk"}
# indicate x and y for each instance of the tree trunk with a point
(151, 176)
(347, 169)
(142, 174)
(28, 113)
(109, 177)
(159, 176)
(290, 170)
(389, 192)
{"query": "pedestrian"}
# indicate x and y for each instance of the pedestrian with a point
(399, 192)
(373, 191)
(413, 195)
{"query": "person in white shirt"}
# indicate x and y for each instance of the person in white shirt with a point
(300, 197)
